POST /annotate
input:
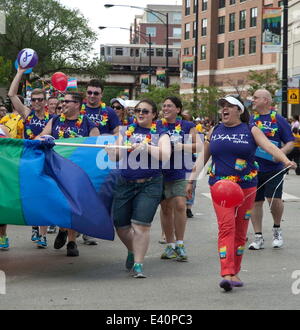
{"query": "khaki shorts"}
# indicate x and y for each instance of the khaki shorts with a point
(175, 188)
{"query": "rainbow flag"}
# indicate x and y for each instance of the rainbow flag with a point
(69, 187)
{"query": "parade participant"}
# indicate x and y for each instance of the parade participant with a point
(232, 145)
(3, 111)
(119, 106)
(35, 119)
(104, 117)
(278, 131)
(71, 123)
(173, 207)
(139, 189)
(52, 104)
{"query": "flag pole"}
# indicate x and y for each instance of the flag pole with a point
(90, 145)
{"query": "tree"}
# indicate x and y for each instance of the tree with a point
(60, 36)
(265, 79)
(5, 69)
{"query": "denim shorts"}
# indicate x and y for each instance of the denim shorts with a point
(136, 202)
(174, 188)
(268, 190)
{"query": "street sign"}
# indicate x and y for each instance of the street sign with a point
(294, 96)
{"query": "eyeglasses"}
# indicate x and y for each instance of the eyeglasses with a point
(37, 99)
(69, 101)
(91, 93)
(117, 107)
(143, 111)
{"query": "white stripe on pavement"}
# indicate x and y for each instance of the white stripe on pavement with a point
(286, 197)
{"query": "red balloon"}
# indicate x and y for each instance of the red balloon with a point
(59, 81)
(227, 193)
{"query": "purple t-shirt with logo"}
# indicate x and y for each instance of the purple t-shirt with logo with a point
(96, 116)
(176, 168)
(70, 129)
(140, 164)
(282, 135)
(36, 125)
(233, 154)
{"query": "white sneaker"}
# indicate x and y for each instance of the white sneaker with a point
(258, 243)
(277, 238)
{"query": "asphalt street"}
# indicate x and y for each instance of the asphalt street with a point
(47, 279)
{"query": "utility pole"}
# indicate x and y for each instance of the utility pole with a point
(284, 81)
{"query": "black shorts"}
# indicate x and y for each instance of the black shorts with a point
(268, 190)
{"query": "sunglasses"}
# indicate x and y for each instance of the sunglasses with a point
(91, 93)
(143, 111)
(59, 108)
(37, 99)
(69, 101)
(117, 107)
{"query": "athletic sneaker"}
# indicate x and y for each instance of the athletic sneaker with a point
(138, 271)
(258, 243)
(169, 253)
(87, 240)
(51, 230)
(72, 250)
(35, 234)
(60, 239)
(4, 242)
(181, 253)
(277, 238)
(129, 261)
(42, 242)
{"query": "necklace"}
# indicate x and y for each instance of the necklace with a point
(178, 129)
(131, 129)
(71, 133)
(104, 120)
(28, 122)
(268, 131)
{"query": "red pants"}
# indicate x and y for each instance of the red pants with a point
(233, 232)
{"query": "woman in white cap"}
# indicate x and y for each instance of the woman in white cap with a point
(232, 145)
(119, 106)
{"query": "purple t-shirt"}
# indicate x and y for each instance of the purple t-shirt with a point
(233, 154)
(70, 129)
(96, 115)
(176, 168)
(35, 124)
(136, 164)
(283, 134)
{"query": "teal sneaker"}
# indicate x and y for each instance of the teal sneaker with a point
(42, 242)
(4, 242)
(169, 253)
(138, 271)
(129, 261)
(181, 253)
(35, 234)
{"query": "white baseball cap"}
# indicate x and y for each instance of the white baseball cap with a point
(119, 100)
(231, 100)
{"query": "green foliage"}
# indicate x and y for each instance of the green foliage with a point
(60, 36)
(267, 80)
(158, 94)
(5, 69)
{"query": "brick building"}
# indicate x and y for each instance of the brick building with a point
(229, 41)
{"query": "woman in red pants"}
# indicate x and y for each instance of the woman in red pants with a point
(232, 145)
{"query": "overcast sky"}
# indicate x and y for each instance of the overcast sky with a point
(97, 15)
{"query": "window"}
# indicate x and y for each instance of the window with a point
(187, 29)
(204, 27)
(232, 2)
(221, 3)
(159, 52)
(151, 30)
(242, 19)
(221, 24)
(177, 18)
(148, 52)
(152, 18)
(204, 5)
(195, 6)
(194, 29)
(119, 51)
(231, 22)
(137, 53)
(253, 17)
(203, 52)
(170, 53)
(231, 48)
(221, 50)
(242, 1)
(186, 51)
(176, 32)
(187, 7)
(241, 47)
(252, 45)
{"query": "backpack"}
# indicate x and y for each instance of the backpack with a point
(15, 125)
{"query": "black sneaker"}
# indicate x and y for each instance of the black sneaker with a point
(189, 213)
(72, 250)
(60, 239)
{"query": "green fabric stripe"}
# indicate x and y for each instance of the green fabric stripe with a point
(10, 199)
(68, 151)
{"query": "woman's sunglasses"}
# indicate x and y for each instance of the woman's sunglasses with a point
(117, 107)
(143, 111)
